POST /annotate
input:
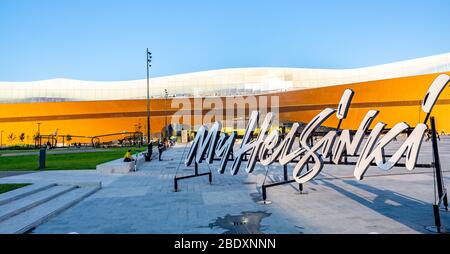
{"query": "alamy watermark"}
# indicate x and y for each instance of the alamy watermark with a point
(233, 111)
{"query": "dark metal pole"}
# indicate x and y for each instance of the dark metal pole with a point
(285, 172)
(264, 194)
(339, 125)
(148, 97)
(437, 218)
(442, 195)
(165, 113)
(426, 118)
(39, 134)
(437, 162)
(149, 141)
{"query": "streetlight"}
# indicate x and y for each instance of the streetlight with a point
(149, 142)
(166, 95)
(39, 134)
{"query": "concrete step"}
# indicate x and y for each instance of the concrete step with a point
(18, 206)
(35, 216)
(22, 192)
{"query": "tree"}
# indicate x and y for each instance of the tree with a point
(22, 137)
(11, 137)
(69, 138)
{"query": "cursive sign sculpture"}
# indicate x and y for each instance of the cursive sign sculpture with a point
(268, 148)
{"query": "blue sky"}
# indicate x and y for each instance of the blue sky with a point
(106, 40)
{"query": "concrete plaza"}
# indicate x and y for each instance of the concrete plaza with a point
(397, 201)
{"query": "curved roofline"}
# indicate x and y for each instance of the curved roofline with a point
(219, 82)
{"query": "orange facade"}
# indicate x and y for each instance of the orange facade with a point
(397, 100)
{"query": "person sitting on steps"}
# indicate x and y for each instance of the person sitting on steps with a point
(128, 157)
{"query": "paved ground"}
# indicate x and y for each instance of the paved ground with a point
(14, 173)
(397, 201)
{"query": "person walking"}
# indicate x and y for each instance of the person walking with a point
(160, 149)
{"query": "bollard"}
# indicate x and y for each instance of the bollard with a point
(42, 152)
(148, 155)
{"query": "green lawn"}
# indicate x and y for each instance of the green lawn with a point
(7, 151)
(5, 187)
(63, 161)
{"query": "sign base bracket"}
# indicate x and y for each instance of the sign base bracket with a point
(176, 179)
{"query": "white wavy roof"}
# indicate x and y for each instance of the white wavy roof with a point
(216, 82)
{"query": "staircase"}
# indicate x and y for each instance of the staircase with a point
(25, 208)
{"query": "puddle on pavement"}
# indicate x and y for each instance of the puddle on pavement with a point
(245, 223)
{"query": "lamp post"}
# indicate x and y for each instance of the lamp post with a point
(149, 142)
(39, 134)
(149, 60)
(166, 95)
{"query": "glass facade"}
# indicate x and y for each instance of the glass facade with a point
(226, 82)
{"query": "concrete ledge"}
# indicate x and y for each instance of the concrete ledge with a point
(119, 166)
(97, 185)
